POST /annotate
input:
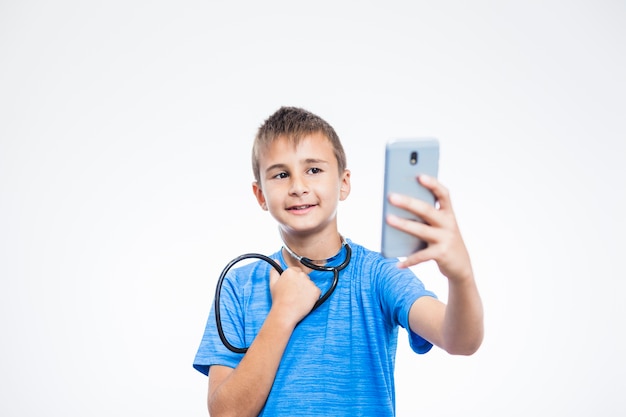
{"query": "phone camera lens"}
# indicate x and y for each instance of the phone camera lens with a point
(413, 158)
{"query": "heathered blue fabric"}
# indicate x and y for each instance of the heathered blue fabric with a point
(340, 359)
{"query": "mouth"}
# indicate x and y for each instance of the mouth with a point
(301, 207)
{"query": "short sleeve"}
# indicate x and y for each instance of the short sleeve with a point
(211, 350)
(399, 289)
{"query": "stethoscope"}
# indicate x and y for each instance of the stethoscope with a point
(303, 260)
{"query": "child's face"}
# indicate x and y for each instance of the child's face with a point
(300, 185)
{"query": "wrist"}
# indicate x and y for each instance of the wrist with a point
(280, 319)
(463, 277)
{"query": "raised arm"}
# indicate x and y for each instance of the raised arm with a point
(242, 391)
(458, 326)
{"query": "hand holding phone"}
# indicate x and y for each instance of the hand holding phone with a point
(405, 160)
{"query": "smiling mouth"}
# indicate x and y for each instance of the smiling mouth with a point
(302, 207)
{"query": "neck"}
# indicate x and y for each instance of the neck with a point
(317, 249)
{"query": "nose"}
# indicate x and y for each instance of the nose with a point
(298, 185)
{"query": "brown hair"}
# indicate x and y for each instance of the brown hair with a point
(294, 123)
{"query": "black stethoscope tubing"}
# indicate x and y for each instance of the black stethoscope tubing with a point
(304, 261)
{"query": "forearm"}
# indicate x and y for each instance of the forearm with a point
(245, 390)
(462, 330)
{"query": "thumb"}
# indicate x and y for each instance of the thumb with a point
(274, 275)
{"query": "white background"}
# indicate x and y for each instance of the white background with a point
(125, 133)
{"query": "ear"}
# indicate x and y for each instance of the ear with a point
(258, 193)
(344, 189)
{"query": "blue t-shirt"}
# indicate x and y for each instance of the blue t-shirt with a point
(340, 359)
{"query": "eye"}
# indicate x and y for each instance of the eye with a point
(315, 170)
(281, 175)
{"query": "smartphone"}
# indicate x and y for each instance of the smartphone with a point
(405, 160)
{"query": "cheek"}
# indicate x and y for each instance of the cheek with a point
(333, 194)
(271, 198)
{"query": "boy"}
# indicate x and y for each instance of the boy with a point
(339, 359)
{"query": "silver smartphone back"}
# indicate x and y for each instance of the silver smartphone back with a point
(404, 160)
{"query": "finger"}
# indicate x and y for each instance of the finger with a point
(421, 209)
(441, 193)
(413, 227)
(417, 258)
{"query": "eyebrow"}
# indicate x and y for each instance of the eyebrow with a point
(307, 161)
(275, 166)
